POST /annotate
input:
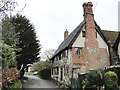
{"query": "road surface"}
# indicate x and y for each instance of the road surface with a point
(31, 82)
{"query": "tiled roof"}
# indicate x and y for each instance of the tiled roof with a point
(110, 35)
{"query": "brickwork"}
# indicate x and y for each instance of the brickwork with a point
(78, 60)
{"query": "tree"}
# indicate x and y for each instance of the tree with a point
(42, 65)
(7, 6)
(43, 68)
(10, 39)
(28, 41)
(9, 35)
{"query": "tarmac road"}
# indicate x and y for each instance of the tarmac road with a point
(32, 82)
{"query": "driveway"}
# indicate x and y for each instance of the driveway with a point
(31, 82)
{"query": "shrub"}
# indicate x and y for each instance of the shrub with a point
(8, 56)
(98, 79)
(94, 79)
(111, 79)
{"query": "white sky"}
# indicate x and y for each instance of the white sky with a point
(52, 17)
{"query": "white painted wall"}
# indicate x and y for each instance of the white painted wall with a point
(79, 41)
(101, 42)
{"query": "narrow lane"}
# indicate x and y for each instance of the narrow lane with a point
(35, 82)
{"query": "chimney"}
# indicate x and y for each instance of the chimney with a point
(91, 43)
(87, 9)
(65, 34)
(90, 30)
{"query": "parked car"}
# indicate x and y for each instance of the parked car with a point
(35, 73)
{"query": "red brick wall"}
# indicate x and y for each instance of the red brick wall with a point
(77, 59)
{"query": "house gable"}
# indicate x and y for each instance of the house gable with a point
(79, 42)
(101, 42)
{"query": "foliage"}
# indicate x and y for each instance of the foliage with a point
(28, 41)
(38, 76)
(97, 79)
(9, 35)
(17, 85)
(10, 39)
(94, 79)
(45, 73)
(111, 79)
(43, 68)
(41, 65)
(8, 56)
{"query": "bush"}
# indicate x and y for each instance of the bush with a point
(94, 79)
(98, 79)
(111, 79)
(8, 56)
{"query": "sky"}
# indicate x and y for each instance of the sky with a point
(52, 17)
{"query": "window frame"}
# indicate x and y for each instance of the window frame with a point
(79, 51)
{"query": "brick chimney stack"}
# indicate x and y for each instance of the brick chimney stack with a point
(90, 26)
(66, 34)
(91, 43)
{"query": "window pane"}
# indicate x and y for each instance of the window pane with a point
(78, 51)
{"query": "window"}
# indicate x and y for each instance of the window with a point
(66, 53)
(78, 51)
(83, 33)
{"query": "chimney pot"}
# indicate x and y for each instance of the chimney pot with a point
(87, 6)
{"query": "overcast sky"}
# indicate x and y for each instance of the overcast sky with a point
(52, 17)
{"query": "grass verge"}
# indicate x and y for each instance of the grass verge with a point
(18, 84)
(38, 76)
